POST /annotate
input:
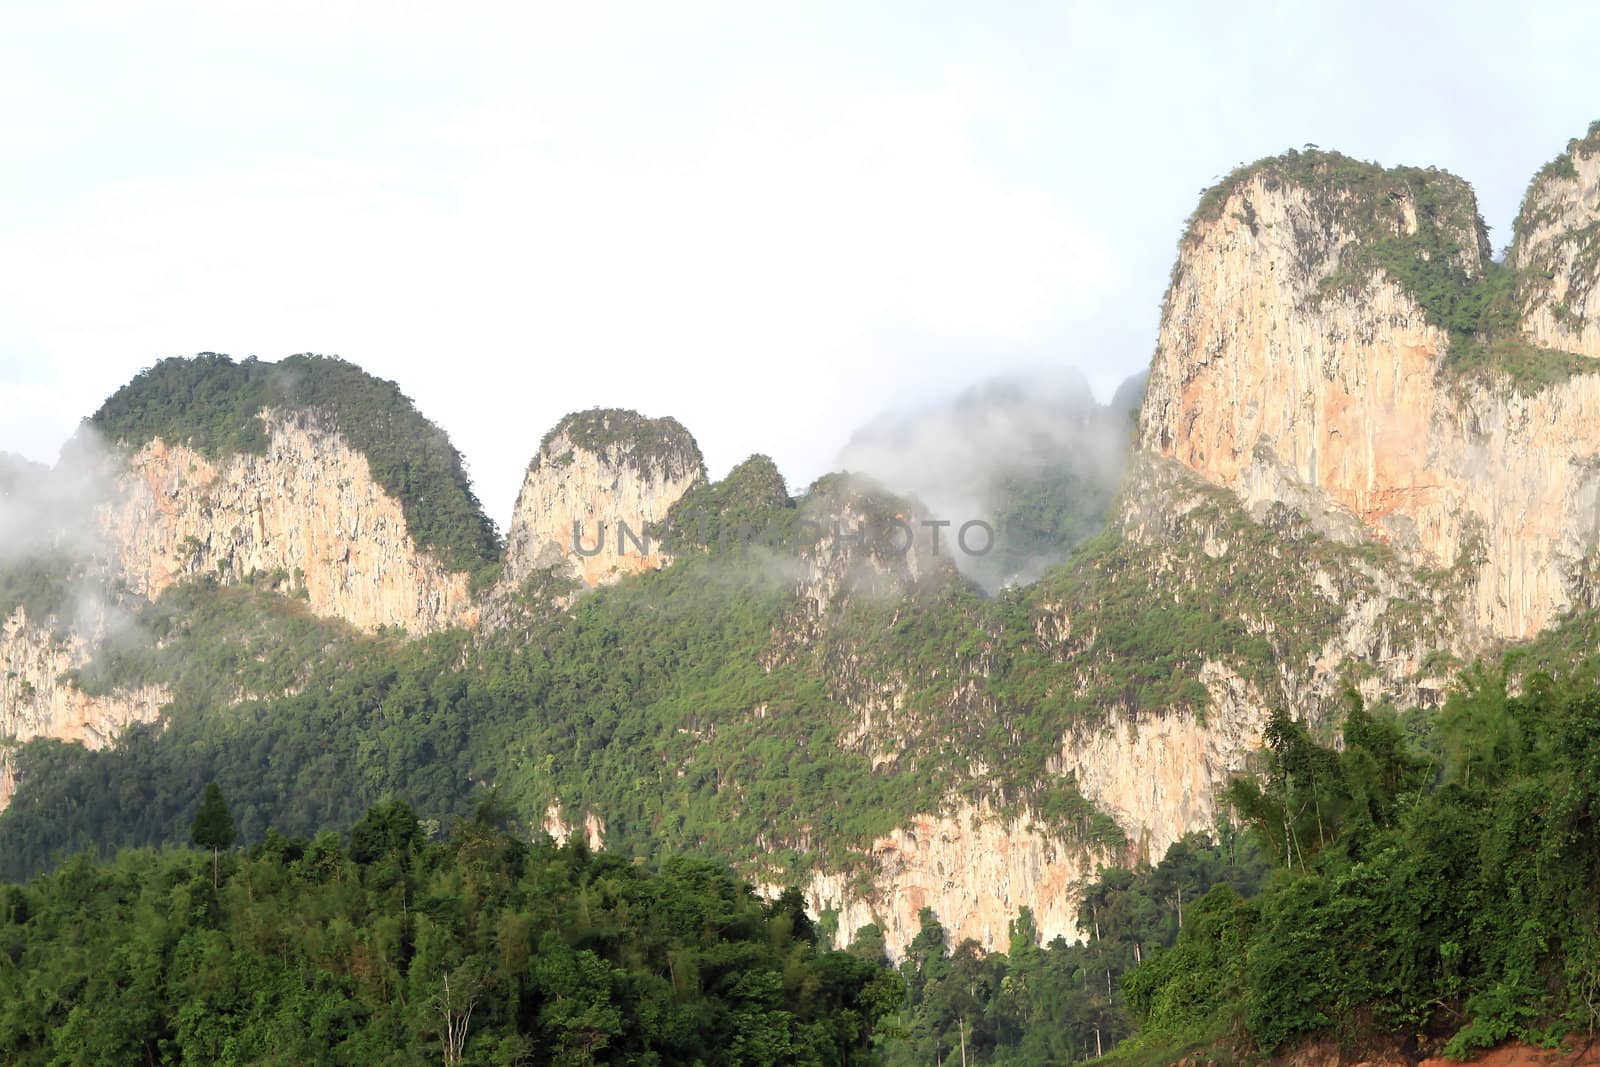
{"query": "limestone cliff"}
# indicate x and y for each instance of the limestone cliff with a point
(307, 507)
(1297, 364)
(594, 828)
(600, 478)
(1557, 250)
(1252, 615)
(36, 700)
(975, 867)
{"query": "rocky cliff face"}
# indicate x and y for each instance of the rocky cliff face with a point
(1273, 614)
(600, 479)
(1557, 250)
(1396, 493)
(594, 828)
(37, 701)
(975, 867)
(1294, 367)
(307, 508)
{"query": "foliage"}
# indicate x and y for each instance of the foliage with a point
(213, 826)
(751, 504)
(214, 405)
(400, 949)
(1441, 891)
(43, 587)
(1562, 167)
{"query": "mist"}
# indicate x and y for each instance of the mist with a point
(54, 559)
(1033, 454)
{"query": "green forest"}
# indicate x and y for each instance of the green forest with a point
(1428, 885)
(387, 946)
(396, 942)
(1434, 885)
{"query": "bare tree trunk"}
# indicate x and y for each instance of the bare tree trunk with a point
(961, 1025)
(457, 1017)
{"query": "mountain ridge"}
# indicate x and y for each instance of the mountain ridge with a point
(863, 721)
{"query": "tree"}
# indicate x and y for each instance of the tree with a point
(213, 826)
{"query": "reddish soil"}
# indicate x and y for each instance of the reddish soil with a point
(1579, 1052)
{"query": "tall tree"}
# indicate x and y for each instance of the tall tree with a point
(213, 826)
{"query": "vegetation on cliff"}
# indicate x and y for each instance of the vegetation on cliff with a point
(1572, 251)
(214, 405)
(751, 504)
(660, 442)
(703, 706)
(1447, 246)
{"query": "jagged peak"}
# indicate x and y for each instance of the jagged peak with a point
(751, 500)
(758, 473)
(1577, 148)
(858, 517)
(855, 489)
(619, 433)
(214, 404)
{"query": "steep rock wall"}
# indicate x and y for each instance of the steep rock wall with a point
(596, 471)
(37, 701)
(1159, 776)
(976, 868)
(594, 828)
(307, 506)
(1288, 377)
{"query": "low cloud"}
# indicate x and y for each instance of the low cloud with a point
(1033, 454)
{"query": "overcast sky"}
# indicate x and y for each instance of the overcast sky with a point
(770, 221)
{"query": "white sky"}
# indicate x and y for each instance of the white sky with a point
(770, 221)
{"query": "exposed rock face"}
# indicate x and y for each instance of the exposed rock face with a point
(36, 701)
(1558, 250)
(594, 828)
(974, 867)
(1319, 609)
(1288, 375)
(597, 472)
(308, 507)
(1159, 776)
